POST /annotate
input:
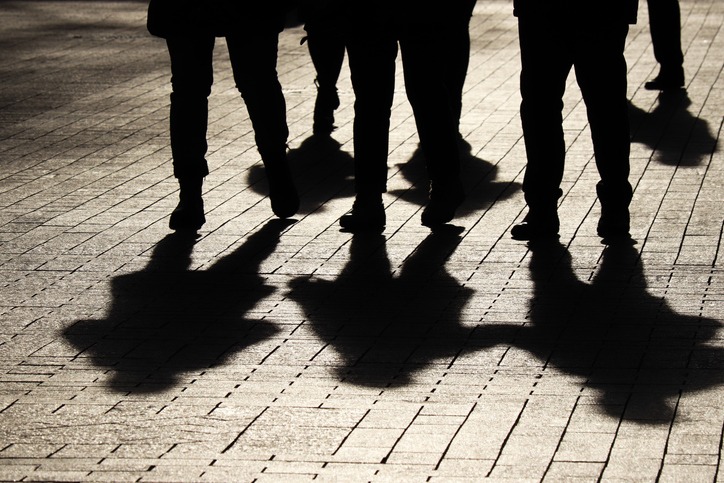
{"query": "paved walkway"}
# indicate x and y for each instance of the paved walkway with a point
(271, 351)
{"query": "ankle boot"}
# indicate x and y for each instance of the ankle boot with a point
(444, 200)
(615, 217)
(368, 214)
(189, 213)
(282, 191)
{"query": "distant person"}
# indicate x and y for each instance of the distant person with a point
(374, 29)
(665, 25)
(251, 31)
(589, 37)
(325, 28)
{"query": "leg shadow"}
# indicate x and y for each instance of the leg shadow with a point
(320, 168)
(633, 350)
(166, 320)
(380, 329)
(478, 178)
(678, 137)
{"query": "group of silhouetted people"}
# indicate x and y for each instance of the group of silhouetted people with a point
(433, 41)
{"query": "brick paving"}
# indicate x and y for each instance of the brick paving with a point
(272, 350)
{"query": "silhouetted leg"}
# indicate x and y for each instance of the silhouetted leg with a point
(601, 73)
(191, 80)
(545, 64)
(253, 58)
(372, 69)
(423, 64)
(665, 25)
(326, 48)
(456, 46)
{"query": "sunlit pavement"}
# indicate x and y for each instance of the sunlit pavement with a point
(270, 350)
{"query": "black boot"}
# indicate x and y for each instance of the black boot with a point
(326, 103)
(189, 213)
(615, 220)
(367, 215)
(444, 200)
(282, 191)
(667, 80)
(540, 223)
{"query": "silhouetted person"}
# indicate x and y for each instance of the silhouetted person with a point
(324, 23)
(665, 25)
(590, 37)
(375, 28)
(251, 31)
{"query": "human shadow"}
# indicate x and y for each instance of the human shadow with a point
(380, 329)
(321, 169)
(478, 177)
(166, 320)
(634, 351)
(678, 137)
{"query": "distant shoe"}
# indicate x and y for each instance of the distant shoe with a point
(282, 191)
(188, 216)
(443, 203)
(666, 81)
(537, 227)
(367, 215)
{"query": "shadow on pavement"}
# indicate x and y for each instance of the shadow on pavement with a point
(678, 137)
(478, 177)
(380, 329)
(634, 350)
(320, 168)
(166, 320)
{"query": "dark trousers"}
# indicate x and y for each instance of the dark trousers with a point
(372, 68)
(549, 49)
(253, 60)
(456, 45)
(665, 25)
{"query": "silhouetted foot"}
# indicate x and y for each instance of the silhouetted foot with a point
(614, 224)
(666, 81)
(367, 215)
(443, 203)
(537, 227)
(282, 192)
(188, 216)
(324, 106)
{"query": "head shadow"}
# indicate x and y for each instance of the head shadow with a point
(478, 177)
(678, 137)
(634, 351)
(320, 168)
(381, 326)
(166, 320)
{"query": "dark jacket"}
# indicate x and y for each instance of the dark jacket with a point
(579, 10)
(168, 18)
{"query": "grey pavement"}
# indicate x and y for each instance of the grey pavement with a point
(290, 351)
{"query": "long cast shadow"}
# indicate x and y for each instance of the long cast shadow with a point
(381, 329)
(478, 178)
(320, 168)
(624, 341)
(166, 320)
(678, 137)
